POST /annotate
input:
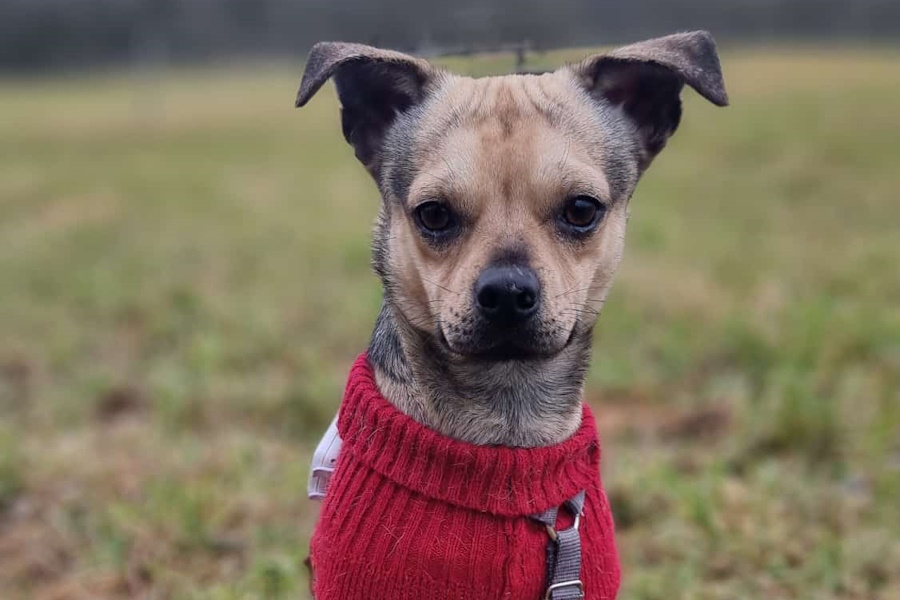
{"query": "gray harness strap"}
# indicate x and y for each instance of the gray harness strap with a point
(564, 552)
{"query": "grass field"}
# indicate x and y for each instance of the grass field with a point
(184, 282)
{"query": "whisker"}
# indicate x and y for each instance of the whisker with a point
(576, 290)
(446, 289)
(449, 168)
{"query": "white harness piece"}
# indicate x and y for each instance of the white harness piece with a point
(323, 462)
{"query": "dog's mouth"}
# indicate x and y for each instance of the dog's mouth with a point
(503, 349)
(509, 352)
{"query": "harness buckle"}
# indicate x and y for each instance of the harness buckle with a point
(554, 535)
(565, 584)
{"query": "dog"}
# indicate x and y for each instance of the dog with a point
(502, 224)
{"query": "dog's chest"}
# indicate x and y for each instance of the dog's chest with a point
(378, 540)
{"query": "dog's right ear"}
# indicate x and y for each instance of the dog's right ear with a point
(646, 79)
(373, 85)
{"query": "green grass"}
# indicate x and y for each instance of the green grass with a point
(184, 282)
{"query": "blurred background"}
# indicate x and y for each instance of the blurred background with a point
(184, 282)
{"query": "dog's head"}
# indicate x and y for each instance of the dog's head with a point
(506, 198)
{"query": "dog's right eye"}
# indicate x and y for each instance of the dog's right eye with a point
(434, 218)
(580, 216)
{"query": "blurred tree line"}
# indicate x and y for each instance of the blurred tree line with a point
(46, 34)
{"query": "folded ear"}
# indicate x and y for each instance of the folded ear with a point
(373, 85)
(646, 79)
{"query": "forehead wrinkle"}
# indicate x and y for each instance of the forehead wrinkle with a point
(538, 99)
(464, 99)
(550, 93)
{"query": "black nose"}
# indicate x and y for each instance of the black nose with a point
(507, 294)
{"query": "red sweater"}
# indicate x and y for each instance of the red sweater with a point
(414, 515)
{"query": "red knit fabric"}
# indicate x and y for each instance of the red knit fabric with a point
(413, 515)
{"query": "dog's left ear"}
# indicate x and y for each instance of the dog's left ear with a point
(373, 85)
(646, 79)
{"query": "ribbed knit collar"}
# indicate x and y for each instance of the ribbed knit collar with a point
(494, 479)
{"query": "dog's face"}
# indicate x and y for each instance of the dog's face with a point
(509, 230)
(506, 198)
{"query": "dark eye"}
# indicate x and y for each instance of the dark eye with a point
(434, 217)
(582, 213)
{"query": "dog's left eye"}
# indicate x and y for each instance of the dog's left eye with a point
(582, 213)
(434, 217)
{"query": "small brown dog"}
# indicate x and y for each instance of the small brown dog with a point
(505, 201)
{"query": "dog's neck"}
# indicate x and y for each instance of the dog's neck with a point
(524, 403)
